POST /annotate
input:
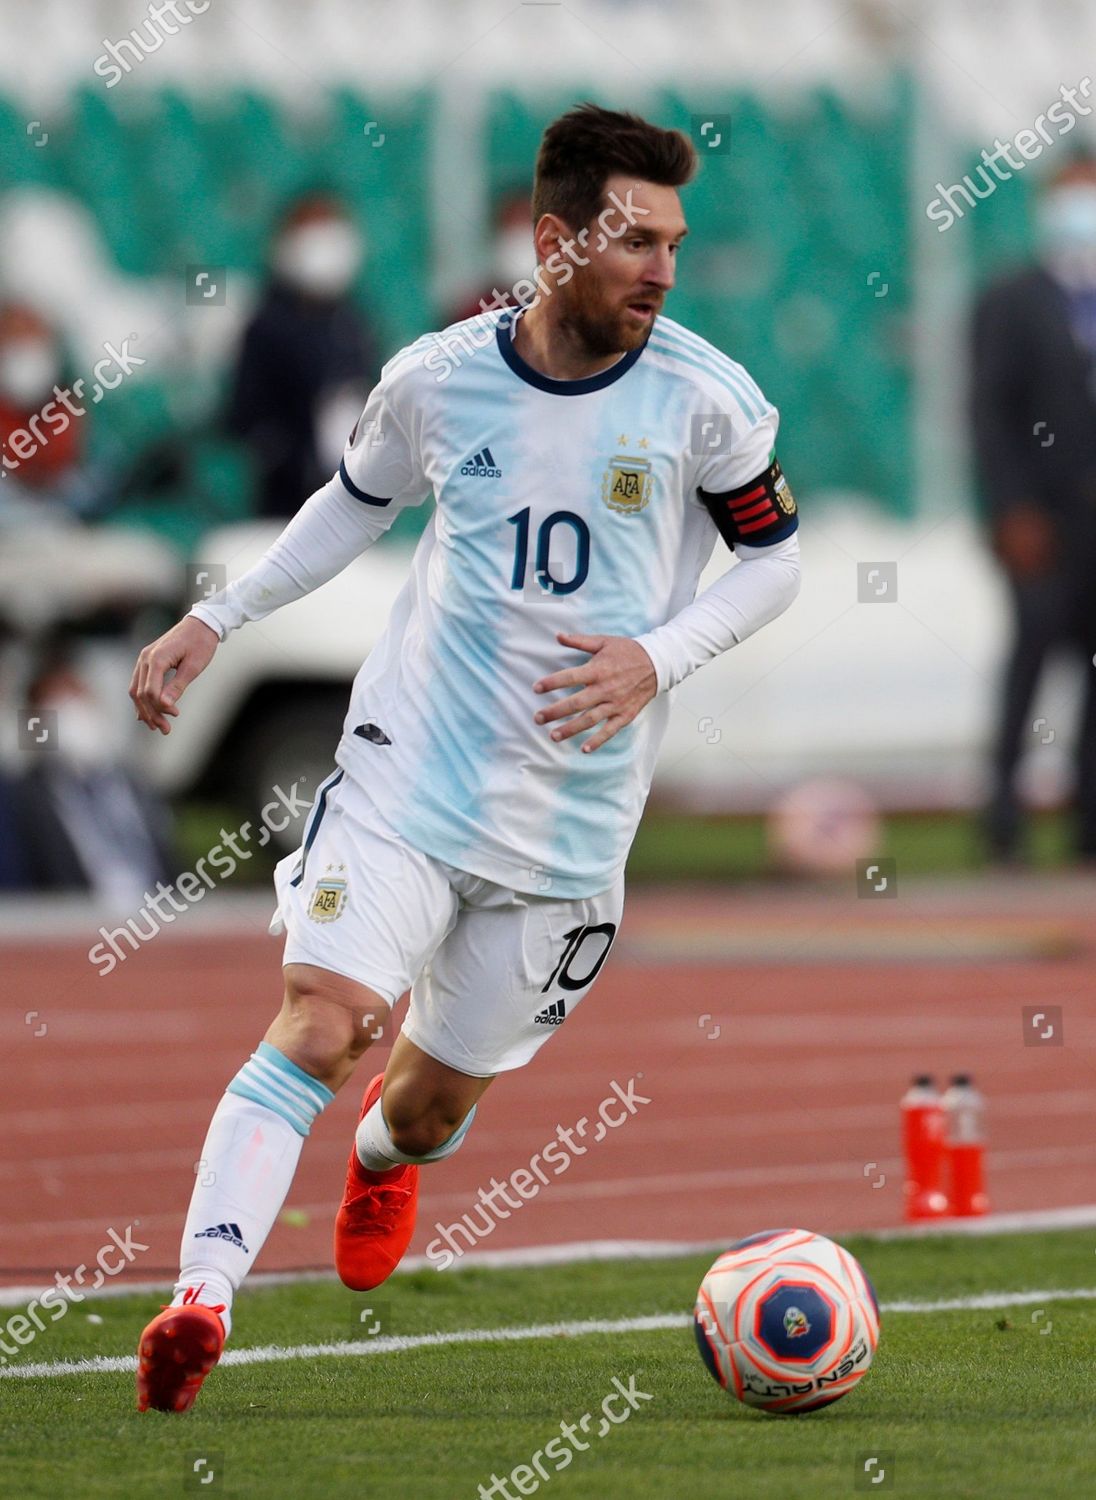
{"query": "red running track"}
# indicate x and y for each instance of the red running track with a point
(772, 1032)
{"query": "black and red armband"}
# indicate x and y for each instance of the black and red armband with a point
(757, 513)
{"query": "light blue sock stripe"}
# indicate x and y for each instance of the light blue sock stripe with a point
(248, 1090)
(297, 1108)
(300, 1094)
(276, 1086)
(320, 1091)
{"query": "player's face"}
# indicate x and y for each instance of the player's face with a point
(611, 303)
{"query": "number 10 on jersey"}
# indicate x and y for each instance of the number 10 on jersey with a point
(542, 551)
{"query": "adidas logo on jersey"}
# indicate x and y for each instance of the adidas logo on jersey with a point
(554, 1015)
(482, 466)
(229, 1232)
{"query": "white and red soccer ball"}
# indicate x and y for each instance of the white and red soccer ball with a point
(787, 1321)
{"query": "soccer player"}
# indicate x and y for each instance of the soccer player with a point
(584, 453)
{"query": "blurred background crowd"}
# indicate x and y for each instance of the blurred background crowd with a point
(210, 242)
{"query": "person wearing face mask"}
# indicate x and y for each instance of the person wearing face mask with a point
(513, 257)
(31, 364)
(1033, 407)
(308, 358)
(88, 822)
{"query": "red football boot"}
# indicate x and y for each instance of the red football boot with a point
(176, 1352)
(376, 1219)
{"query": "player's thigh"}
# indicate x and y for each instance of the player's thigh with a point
(359, 902)
(510, 973)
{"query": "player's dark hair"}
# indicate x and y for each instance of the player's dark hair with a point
(581, 150)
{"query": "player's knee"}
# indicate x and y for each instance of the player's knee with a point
(419, 1125)
(421, 1136)
(331, 1020)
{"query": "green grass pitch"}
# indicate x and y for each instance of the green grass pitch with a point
(976, 1402)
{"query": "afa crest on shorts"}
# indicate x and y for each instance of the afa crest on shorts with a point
(328, 899)
(627, 484)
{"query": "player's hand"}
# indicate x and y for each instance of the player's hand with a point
(613, 685)
(186, 649)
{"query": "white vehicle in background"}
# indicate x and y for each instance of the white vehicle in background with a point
(82, 593)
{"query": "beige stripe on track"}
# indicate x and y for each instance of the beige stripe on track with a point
(623, 1187)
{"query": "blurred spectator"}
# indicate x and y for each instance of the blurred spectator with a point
(41, 434)
(513, 257)
(308, 358)
(1034, 417)
(88, 823)
(13, 870)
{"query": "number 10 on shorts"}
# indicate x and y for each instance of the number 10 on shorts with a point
(580, 964)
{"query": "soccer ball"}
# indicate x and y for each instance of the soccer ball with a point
(787, 1321)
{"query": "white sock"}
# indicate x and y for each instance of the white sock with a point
(377, 1152)
(243, 1175)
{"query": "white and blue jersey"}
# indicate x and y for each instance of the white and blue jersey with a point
(561, 505)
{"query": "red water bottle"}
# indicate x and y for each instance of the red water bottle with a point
(923, 1146)
(966, 1147)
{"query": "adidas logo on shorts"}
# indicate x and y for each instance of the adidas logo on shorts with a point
(482, 466)
(554, 1015)
(229, 1232)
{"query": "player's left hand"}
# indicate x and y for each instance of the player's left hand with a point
(615, 683)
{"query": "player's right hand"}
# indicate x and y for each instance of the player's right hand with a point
(187, 649)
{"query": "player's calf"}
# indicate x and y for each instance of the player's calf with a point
(246, 1168)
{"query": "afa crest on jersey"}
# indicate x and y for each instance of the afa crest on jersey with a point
(627, 484)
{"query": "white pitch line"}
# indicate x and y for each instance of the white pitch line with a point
(983, 1301)
(271, 1353)
(265, 1354)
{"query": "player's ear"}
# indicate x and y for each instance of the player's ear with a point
(549, 234)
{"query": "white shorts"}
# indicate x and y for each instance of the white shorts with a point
(492, 972)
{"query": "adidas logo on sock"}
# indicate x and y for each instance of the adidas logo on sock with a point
(554, 1015)
(229, 1232)
(482, 466)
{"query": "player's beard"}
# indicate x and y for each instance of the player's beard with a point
(598, 327)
